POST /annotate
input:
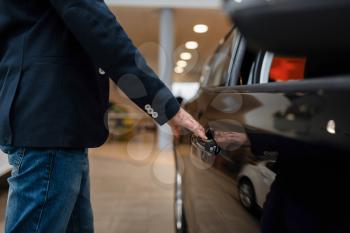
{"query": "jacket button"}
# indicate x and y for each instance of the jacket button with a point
(101, 72)
(148, 107)
(154, 114)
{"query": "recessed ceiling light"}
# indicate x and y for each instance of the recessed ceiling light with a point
(200, 28)
(179, 70)
(181, 63)
(186, 56)
(191, 45)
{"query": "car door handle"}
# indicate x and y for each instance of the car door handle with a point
(209, 145)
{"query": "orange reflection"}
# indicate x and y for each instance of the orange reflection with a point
(287, 68)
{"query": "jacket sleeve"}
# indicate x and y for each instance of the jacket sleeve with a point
(100, 34)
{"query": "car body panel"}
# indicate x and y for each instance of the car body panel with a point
(296, 27)
(300, 124)
(258, 126)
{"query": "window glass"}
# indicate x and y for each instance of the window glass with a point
(247, 68)
(205, 74)
(220, 62)
(276, 68)
(321, 66)
(205, 78)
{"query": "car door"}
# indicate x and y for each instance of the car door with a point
(293, 114)
(206, 192)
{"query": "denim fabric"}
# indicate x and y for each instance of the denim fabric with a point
(49, 191)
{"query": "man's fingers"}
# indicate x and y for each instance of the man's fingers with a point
(198, 130)
(201, 134)
(184, 119)
(176, 132)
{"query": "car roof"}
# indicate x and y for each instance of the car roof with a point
(294, 27)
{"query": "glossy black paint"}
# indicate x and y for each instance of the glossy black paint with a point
(294, 26)
(302, 127)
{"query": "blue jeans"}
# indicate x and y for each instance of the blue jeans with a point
(49, 191)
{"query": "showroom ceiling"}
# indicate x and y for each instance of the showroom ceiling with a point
(142, 25)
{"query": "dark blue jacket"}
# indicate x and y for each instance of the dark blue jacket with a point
(56, 58)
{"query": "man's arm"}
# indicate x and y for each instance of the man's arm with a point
(107, 44)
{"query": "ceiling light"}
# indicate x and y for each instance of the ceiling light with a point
(181, 63)
(200, 28)
(192, 45)
(186, 56)
(179, 70)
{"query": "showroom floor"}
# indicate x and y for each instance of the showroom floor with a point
(132, 187)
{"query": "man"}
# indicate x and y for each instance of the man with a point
(55, 60)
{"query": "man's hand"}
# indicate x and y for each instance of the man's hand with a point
(185, 120)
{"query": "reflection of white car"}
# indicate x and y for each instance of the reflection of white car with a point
(254, 182)
(4, 166)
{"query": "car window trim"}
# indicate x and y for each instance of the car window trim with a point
(331, 83)
(266, 67)
(257, 67)
(251, 73)
(235, 47)
(213, 60)
(237, 60)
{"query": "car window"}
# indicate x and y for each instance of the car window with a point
(277, 68)
(205, 74)
(220, 62)
(323, 66)
(243, 65)
(251, 74)
(247, 69)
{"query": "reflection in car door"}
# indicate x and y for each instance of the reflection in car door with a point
(300, 124)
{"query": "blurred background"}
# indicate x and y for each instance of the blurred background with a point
(176, 37)
(133, 174)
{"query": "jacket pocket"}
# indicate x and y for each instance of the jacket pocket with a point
(60, 61)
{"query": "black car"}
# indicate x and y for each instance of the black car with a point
(275, 101)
